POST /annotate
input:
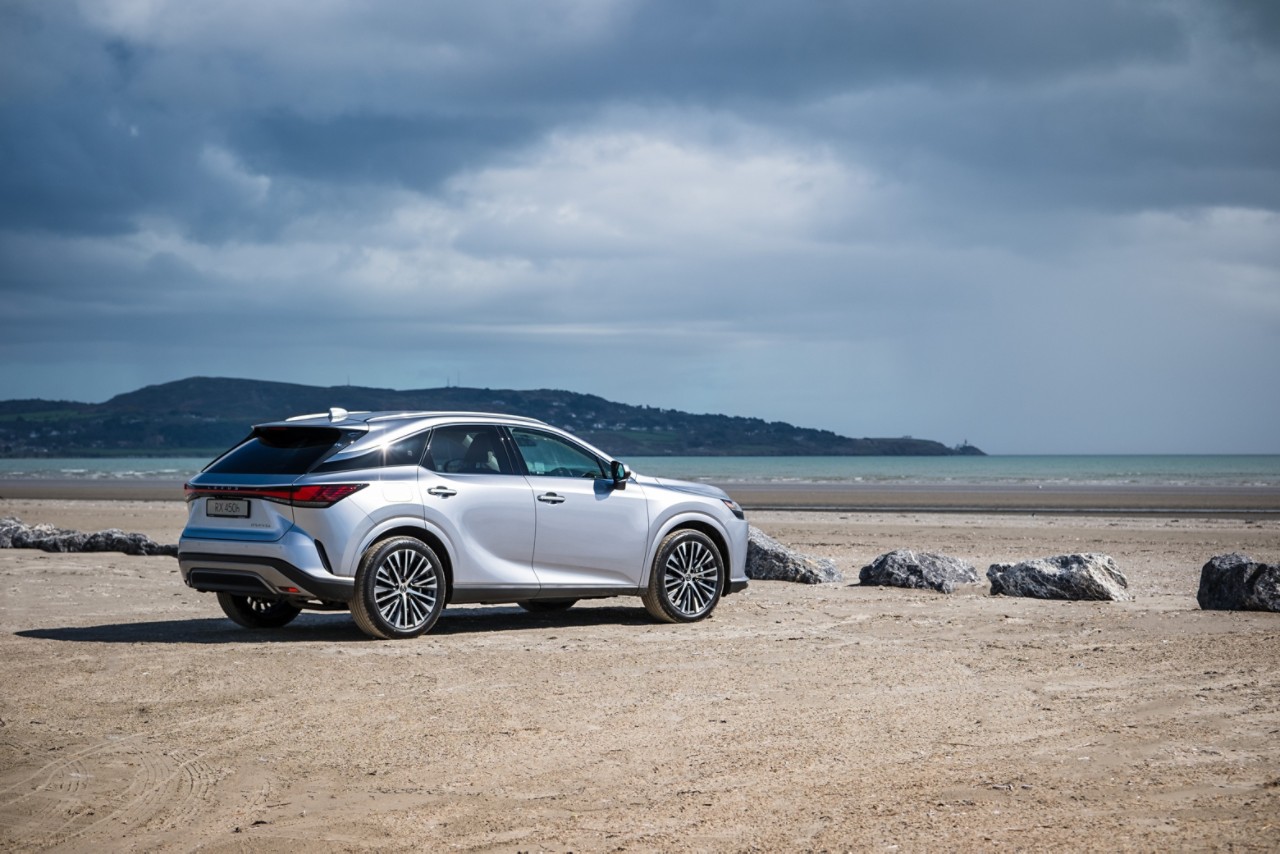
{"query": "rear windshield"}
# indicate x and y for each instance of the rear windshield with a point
(281, 450)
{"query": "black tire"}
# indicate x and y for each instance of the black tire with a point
(399, 589)
(686, 579)
(253, 612)
(547, 606)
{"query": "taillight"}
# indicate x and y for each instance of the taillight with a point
(323, 494)
(308, 495)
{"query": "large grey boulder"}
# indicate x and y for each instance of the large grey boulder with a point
(1082, 576)
(15, 534)
(769, 559)
(921, 570)
(1237, 582)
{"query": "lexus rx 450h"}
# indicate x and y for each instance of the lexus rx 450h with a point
(394, 515)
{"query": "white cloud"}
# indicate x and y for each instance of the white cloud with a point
(626, 191)
(225, 168)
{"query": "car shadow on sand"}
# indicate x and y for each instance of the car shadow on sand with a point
(310, 627)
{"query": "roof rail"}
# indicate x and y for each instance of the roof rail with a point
(393, 416)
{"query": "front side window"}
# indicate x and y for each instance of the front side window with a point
(467, 450)
(546, 455)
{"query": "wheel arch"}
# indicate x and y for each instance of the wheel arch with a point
(421, 532)
(703, 525)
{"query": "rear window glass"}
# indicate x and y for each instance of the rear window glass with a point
(280, 450)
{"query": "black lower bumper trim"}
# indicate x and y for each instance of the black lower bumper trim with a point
(230, 581)
(195, 564)
(737, 586)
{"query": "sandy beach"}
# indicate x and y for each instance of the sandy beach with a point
(834, 717)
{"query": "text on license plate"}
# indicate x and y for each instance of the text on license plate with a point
(235, 507)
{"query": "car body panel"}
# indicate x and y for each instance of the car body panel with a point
(267, 520)
(596, 534)
(489, 525)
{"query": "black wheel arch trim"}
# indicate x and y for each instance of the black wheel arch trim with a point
(719, 541)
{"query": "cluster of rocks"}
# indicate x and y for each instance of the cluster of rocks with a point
(1236, 582)
(1233, 582)
(15, 534)
(1080, 576)
(770, 560)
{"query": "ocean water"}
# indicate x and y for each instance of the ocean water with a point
(1119, 470)
(1045, 470)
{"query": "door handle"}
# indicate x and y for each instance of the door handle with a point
(441, 491)
(551, 498)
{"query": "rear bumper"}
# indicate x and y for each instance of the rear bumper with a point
(256, 575)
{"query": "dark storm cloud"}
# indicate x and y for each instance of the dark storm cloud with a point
(411, 151)
(919, 217)
(118, 128)
(734, 50)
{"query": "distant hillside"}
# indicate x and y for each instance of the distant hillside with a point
(201, 416)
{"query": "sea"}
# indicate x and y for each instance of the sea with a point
(1209, 470)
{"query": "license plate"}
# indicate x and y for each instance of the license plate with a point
(236, 508)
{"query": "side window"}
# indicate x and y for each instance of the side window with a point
(550, 456)
(406, 452)
(467, 450)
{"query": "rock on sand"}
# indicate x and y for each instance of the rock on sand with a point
(768, 559)
(921, 570)
(15, 534)
(1079, 576)
(1236, 582)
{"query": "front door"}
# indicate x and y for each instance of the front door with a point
(591, 534)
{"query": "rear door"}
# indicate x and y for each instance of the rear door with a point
(471, 490)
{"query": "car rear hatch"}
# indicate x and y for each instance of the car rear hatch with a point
(249, 493)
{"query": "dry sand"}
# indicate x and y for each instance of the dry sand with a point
(134, 717)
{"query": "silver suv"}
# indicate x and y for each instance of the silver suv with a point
(395, 514)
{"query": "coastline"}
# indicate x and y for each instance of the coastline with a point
(844, 497)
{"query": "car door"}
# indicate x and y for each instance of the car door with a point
(591, 533)
(471, 490)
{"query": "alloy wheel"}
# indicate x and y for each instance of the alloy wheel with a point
(406, 587)
(690, 576)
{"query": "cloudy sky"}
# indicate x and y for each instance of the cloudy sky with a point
(1042, 227)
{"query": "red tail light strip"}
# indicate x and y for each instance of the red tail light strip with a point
(309, 495)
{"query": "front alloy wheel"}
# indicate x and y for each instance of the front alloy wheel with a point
(687, 577)
(400, 589)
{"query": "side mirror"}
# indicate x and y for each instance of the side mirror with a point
(619, 472)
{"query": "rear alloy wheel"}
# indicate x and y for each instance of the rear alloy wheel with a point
(253, 612)
(546, 606)
(400, 589)
(687, 577)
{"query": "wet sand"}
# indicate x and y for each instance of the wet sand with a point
(834, 717)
